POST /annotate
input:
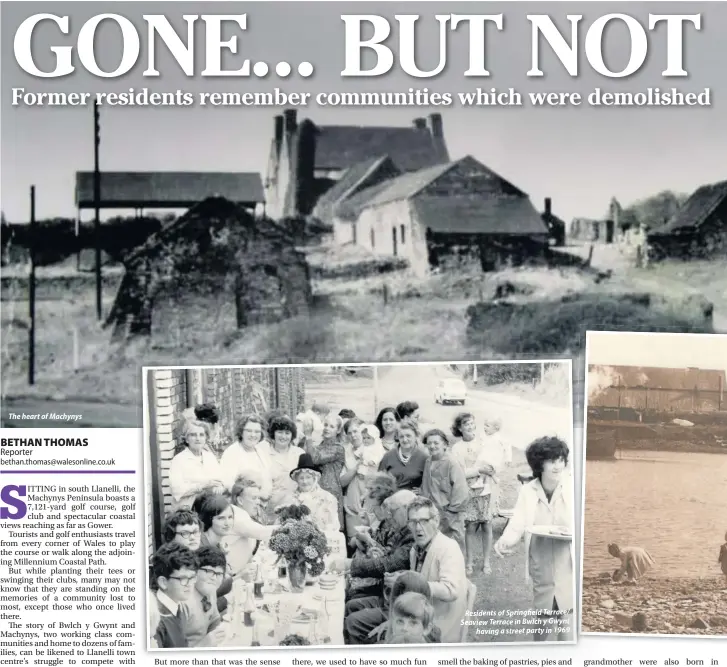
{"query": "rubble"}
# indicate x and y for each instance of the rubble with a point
(655, 606)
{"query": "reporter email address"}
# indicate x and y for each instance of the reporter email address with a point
(101, 463)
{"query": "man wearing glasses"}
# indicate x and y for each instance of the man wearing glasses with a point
(439, 560)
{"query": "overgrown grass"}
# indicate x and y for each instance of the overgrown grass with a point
(420, 321)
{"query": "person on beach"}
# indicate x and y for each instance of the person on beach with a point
(635, 562)
(722, 560)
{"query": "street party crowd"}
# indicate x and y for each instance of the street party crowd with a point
(414, 505)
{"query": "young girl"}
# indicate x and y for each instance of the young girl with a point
(482, 459)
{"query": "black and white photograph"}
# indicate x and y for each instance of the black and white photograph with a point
(362, 504)
(366, 224)
(655, 508)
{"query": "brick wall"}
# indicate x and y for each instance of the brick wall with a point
(169, 399)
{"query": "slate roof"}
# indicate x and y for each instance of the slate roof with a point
(670, 378)
(342, 146)
(506, 215)
(172, 189)
(695, 210)
(353, 178)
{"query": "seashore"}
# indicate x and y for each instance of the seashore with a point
(671, 606)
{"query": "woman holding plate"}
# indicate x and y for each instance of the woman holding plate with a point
(543, 516)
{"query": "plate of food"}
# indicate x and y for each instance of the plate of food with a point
(553, 532)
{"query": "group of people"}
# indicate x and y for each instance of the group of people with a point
(416, 506)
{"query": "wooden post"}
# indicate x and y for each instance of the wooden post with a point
(76, 356)
(474, 373)
(96, 208)
(376, 390)
(31, 290)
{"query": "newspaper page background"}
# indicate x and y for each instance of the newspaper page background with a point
(36, 631)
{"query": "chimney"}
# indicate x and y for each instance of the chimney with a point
(420, 123)
(278, 133)
(548, 206)
(434, 121)
(290, 122)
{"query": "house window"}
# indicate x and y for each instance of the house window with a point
(402, 231)
(353, 233)
(373, 239)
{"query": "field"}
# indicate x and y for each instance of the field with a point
(354, 320)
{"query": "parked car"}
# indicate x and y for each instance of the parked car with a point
(450, 390)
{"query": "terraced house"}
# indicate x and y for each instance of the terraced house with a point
(395, 191)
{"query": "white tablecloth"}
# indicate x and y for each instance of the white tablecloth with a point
(276, 613)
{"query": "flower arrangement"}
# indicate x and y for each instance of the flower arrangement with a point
(292, 513)
(301, 542)
(294, 640)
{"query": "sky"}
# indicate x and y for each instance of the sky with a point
(659, 350)
(580, 157)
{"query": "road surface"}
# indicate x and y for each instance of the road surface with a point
(522, 421)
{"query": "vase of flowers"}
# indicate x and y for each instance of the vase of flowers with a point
(303, 546)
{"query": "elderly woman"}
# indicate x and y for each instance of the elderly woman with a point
(387, 549)
(210, 415)
(379, 486)
(330, 457)
(246, 533)
(482, 459)
(387, 421)
(546, 501)
(248, 455)
(284, 455)
(635, 562)
(194, 469)
(362, 458)
(215, 514)
(323, 506)
(406, 461)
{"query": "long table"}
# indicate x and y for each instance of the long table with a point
(281, 612)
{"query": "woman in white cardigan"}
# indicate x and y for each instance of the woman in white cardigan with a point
(546, 501)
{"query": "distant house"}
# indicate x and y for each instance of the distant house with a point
(661, 390)
(222, 258)
(307, 160)
(605, 230)
(699, 228)
(140, 190)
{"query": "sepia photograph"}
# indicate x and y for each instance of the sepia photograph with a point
(654, 558)
(278, 233)
(316, 505)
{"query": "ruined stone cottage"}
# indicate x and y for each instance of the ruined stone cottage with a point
(217, 258)
(394, 191)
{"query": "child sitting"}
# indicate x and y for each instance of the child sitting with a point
(172, 573)
(411, 619)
